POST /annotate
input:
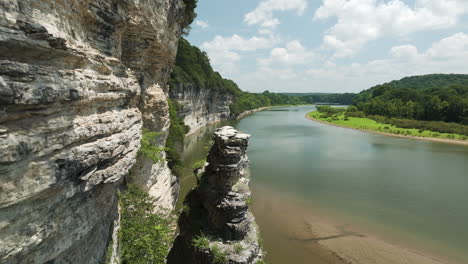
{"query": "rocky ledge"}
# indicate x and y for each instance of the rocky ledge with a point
(216, 225)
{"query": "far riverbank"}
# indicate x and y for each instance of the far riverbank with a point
(440, 140)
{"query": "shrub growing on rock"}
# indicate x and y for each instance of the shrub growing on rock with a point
(145, 237)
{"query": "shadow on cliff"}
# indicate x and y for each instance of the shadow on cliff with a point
(190, 225)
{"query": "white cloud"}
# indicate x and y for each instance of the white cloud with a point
(448, 55)
(263, 15)
(352, 24)
(361, 21)
(404, 51)
(442, 53)
(267, 74)
(292, 54)
(224, 52)
(202, 24)
(236, 42)
(455, 46)
(282, 64)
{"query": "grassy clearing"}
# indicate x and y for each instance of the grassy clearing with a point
(369, 124)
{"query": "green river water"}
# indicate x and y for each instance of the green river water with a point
(410, 192)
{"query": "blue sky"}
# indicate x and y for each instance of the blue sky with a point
(331, 45)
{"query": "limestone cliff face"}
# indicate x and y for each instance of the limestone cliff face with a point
(78, 81)
(217, 210)
(201, 106)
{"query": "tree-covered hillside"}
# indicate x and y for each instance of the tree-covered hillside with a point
(331, 98)
(435, 97)
(193, 66)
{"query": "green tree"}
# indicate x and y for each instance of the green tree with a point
(145, 237)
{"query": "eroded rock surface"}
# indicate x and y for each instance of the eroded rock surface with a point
(218, 208)
(78, 81)
(201, 106)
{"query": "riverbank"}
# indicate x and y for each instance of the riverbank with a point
(317, 239)
(249, 112)
(314, 117)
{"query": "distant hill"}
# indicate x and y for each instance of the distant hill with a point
(430, 81)
(420, 82)
(437, 97)
(305, 94)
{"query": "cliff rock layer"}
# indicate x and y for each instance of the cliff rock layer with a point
(78, 81)
(216, 225)
(201, 106)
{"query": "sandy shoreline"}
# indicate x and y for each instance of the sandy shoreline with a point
(440, 140)
(319, 240)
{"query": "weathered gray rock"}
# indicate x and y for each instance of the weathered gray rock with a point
(201, 106)
(218, 207)
(78, 81)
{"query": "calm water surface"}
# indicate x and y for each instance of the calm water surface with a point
(409, 191)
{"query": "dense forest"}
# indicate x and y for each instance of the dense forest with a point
(326, 98)
(435, 97)
(193, 66)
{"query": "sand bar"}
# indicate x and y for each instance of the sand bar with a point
(311, 238)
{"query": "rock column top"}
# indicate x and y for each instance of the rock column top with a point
(229, 140)
(229, 148)
(230, 136)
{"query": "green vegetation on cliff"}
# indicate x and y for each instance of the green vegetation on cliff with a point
(175, 139)
(144, 237)
(435, 97)
(189, 16)
(190, 10)
(193, 66)
(149, 147)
